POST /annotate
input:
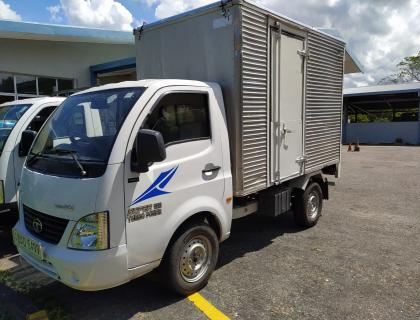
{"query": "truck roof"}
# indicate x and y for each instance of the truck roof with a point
(146, 83)
(217, 4)
(33, 100)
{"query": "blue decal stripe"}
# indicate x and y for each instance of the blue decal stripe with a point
(156, 188)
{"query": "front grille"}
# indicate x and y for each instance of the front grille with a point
(52, 228)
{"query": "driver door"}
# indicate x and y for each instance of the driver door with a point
(190, 176)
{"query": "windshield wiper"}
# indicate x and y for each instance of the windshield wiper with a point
(73, 154)
(34, 156)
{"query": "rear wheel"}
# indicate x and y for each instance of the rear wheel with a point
(191, 258)
(307, 206)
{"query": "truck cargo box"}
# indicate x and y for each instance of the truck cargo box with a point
(282, 84)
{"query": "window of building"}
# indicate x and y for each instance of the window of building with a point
(181, 117)
(19, 87)
(7, 84)
(64, 84)
(47, 86)
(26, 85)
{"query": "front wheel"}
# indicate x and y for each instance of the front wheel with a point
(191, 258)
(307, 206)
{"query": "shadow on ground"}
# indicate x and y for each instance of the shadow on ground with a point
(254, 233)
(148, 294)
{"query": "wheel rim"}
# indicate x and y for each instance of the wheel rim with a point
(313, 205)
(195, 259)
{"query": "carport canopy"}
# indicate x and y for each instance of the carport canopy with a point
(388, 103)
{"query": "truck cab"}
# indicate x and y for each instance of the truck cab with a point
(15, 118)
(124, 174)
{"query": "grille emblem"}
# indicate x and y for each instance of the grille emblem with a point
(37, 225)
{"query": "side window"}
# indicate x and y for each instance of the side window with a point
(181, 117)
(40, 118)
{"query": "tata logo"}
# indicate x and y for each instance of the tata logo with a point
(37, 225)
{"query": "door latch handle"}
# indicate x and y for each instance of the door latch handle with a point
(285, 130)
(211, 168)
(210, 171)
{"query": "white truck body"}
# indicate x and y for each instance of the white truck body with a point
(131, 255)
(170, 163)
(20, 115)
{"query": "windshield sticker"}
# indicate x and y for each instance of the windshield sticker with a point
(144, 212)
(156, 188)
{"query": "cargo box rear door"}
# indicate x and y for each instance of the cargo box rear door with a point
(287, 68)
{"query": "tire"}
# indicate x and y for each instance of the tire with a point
(307, 205)
(196, 244)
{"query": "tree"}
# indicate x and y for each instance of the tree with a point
(408, 71)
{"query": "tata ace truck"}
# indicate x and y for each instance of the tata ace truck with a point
(16, 118)
(241, 115)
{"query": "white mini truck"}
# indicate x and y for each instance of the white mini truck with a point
(137, 175)
(17, 118)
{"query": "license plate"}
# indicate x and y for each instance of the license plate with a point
(31, 246)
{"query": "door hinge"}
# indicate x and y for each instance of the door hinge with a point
(304, 53)
(276, 28)
(226, 9)
(137, 32)
(301, 159)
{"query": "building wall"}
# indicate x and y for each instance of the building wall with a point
(387, 132)
(58, 58)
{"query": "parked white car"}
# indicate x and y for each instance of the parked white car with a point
(15, 118)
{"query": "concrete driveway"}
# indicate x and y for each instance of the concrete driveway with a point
(362, 260)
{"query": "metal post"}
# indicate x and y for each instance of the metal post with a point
(345, 122)
(418, 120)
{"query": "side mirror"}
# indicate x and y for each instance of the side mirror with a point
(28, 137)
(149, 148)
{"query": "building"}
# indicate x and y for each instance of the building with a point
(385, 114)
(41, 59)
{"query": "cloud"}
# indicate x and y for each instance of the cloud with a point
(7, 13)
(55, 13)
(167, 8)
(381, 32)
(107, 14)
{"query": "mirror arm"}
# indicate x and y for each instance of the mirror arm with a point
(137, 166)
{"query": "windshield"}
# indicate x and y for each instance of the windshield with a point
(9, 116)
(84, 128)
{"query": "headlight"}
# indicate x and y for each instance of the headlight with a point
(91, 233)
(1, 192)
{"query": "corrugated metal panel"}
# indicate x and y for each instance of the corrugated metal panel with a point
(254, 100)
(324, 89)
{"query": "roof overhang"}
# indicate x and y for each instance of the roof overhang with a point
(49, 32)
(351, 63)
(383, 89)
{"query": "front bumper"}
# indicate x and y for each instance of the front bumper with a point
(81, 270)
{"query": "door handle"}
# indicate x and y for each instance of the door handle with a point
(210, 171)
(285, 130)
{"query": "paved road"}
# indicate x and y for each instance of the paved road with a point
(362, 261)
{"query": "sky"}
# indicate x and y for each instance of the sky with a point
(379, 32)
